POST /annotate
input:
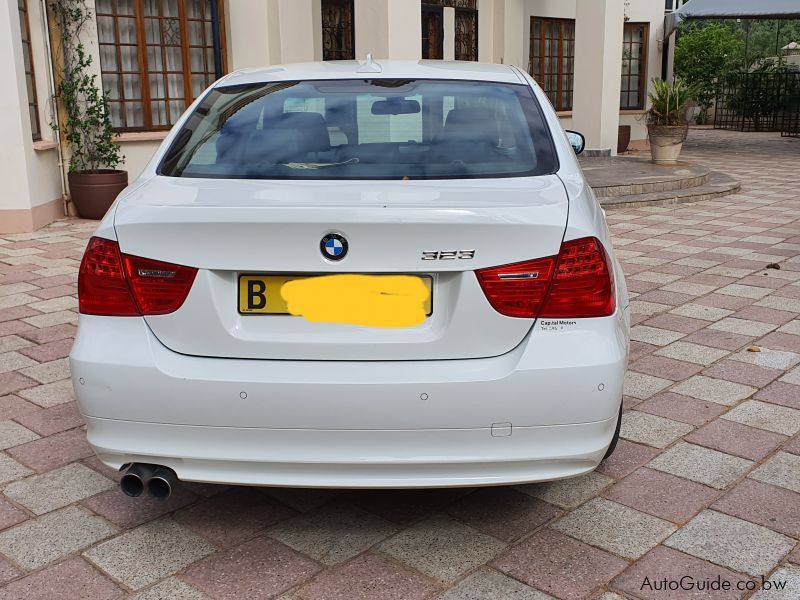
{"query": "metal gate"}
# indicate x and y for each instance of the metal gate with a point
(759, 102)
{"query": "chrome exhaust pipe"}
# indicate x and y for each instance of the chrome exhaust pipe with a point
(135, 479)
(161, 483)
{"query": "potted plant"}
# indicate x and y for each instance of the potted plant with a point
(85, 123)
(667, 122)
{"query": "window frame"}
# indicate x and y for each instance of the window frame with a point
(27, 44)
(556, 95)
(141, 45)
(349, 6)
(643, 65)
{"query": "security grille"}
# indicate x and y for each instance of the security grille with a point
(759, 102)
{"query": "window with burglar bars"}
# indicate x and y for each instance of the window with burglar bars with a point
(156, 57)
(30, 80)
(466, 30)
(552, 59)
(634, 66)
(338, 30)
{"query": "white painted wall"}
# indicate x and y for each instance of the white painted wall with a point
(30, 177)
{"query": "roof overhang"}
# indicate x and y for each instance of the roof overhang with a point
(731, 9)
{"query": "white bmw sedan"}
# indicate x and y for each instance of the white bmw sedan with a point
(355, 275)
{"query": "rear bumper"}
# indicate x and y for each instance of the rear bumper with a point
(352, 459)
(546, 410)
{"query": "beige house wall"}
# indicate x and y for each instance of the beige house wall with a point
(29, 170)
(264, 32)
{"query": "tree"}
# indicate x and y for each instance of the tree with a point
(703, 55)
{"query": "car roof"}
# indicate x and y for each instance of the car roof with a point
(377, 69)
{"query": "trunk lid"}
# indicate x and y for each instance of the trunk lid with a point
(230, 227)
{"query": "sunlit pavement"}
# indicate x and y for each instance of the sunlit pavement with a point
(704, 483)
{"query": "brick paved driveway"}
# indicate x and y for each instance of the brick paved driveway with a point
(706, 481)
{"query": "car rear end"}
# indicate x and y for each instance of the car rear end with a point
(187, 357)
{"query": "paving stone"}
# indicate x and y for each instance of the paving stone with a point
(54, 451)
(627, 457)
(568, 493)
(442, 548)
(651, 429)
(57, 488)
(302, 499)
(502, 512)
(50, 351)
(38, 542)
(777, 392)
(13, 361)
(231, 517)
(10, 515)
(744, 291)
(732, 543)
(645, 578)
(73, 578)
(662, 495)
(406, 506)
(767, 505)
(126, 512)
(50, 394)
(569, 569)
(48, 372)
(8, 572)
(681, 408)
(148, 553)
(14, 407)
(14, 382)
(718, 339)
(772, 417)
(11, 470)
(643, 386)
(51, 420)
(702, 465)
(695, 353)
(665, 368)
(793, 377)
(714, 390)
(170, 589)
(369, 576)
(654, 335)
(782, 469)
(9, 343)
(700, 311)
(491, 584)
(12, 434)
(737, 439)
(743, 373)
(742, 326)
(790, 590)
(792, 327)
(615, 527)
(332, 534)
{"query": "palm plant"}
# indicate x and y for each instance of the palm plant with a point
(669, 103)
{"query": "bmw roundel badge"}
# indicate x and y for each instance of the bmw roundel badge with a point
(334, 246)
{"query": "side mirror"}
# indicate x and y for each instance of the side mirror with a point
(577, 141)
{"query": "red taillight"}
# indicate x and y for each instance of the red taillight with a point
(119, 285)
(517, 290)
(159, 288)
(577, 283)
(102, 289)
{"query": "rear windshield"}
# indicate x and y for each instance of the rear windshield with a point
(363, 129)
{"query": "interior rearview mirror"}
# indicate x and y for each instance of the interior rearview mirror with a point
(395, 106)
(577, 141)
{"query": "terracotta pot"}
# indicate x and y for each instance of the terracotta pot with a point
(623, 138)
(666, 142)
(93, 193)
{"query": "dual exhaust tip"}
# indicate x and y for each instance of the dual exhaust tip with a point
(157, 480)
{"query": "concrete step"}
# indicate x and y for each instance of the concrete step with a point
(717, 184)
(624, 176)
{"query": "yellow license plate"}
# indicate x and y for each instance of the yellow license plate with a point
(261, 294)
